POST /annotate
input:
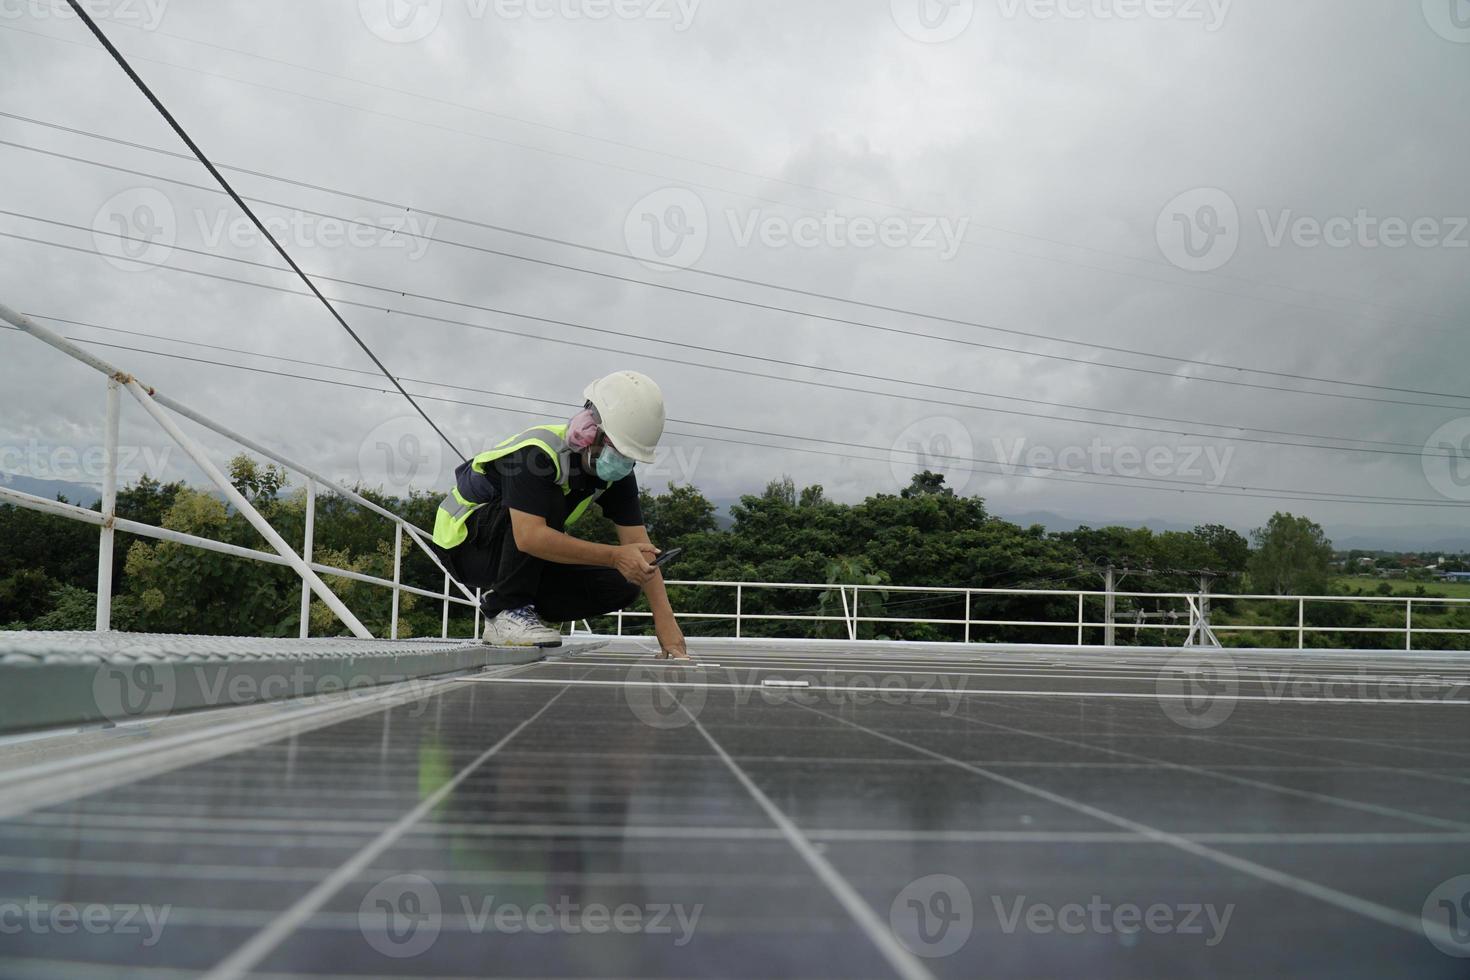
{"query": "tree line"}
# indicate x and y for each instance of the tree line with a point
(925, 535)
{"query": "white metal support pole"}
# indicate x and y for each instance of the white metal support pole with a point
(1301, 624)
(478, 595)
(739, 602)
(109, 508)
(620, 622)
(1080, 618)
(1110, 606)
(397, 574)
(1408, 624)
(308, 546)
(238, 501)
(444, 630)
(854, 612)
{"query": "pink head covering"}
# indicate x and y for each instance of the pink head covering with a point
(583, 430)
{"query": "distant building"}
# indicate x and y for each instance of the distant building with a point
(1456, 576)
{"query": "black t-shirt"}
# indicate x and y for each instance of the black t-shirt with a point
(526, 481)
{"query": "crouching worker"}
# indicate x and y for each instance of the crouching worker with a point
(503, 526)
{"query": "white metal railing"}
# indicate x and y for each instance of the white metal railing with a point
(154, 402)
(1192, 613)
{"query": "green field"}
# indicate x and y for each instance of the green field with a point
(1449, 590)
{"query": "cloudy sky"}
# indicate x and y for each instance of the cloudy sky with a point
(850, 239)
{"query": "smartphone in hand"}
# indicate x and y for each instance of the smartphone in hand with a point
(667, 556)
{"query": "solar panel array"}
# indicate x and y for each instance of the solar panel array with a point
(874, 811)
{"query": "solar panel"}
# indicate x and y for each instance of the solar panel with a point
(837, 810)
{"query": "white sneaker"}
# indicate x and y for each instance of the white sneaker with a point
(520, 628)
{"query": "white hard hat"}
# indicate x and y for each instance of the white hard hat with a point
(631, 407)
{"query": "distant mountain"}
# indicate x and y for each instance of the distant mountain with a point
(76, 493)
(1056, 522)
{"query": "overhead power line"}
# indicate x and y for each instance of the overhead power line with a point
(1004, 469)
(669, 287)
(137, 80)
(542, 338)
(1174, 283)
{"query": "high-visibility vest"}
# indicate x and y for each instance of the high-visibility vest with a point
(455, 510)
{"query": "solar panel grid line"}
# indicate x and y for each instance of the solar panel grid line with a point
(50, 783)
(1340, 763)
(904, 963)
(1380, 810)
(1152, 696)
(244, 959)
(1351, 903)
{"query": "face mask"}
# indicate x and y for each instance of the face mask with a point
(612, 465)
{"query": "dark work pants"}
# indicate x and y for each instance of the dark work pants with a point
(489, 559)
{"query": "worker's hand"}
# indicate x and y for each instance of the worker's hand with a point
(671, 641)
(635, 562)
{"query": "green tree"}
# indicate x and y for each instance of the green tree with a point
(1292, 556)
(926, 483)
(1230, 547)
(673, 516)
